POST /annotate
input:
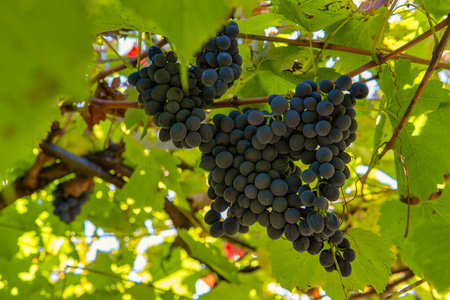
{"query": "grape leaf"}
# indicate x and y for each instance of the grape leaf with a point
(420, 257)
(358, 32)
(283, 56)
(312, 14)
(429, 225)
(249, 287)
(266, 80)
(209, 255)
(421, 140)
(108, 15)
(43, 40)
(257, 24)
(437, 8)
(371, 267)
(144, 188)
(187, 24)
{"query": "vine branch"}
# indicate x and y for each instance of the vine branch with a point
(323, 45)
(82, 165)
(406, 289)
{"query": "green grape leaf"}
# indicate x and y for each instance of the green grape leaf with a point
(359, 31)
(145, 187)
(423, 244)
(301, 270)
(249, 287)
(210, 255)
(437, 8)
(257, 24)
(266, 80)
(108, 15)
(420, 141)
(48, 48)
(133, 117)
(429, 225)
(187, 24)
(283, 57)
(312, 14)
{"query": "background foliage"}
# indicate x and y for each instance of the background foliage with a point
(144, 237)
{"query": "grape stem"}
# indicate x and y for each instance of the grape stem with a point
(378, 38)
(333, 252)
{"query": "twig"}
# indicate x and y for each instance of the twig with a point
(31, 177)
(323, 45)
(114, 104)
(378, 38)
(82, 165)
(406, 289)
(120, 67)
(436, 39)
(100, 61)
(389, 287)
(127, 64)
(19, 188)
(437, 53)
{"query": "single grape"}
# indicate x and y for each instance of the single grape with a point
(359, 90)
(344, 82)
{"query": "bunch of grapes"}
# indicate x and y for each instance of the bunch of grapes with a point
(179, 113)
(344, 256)
(329, 126)
(253, 176)
(68, 207)
(221, 60)
(250, 168)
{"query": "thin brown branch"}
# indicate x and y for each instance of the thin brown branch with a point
(388, 288)
(109, 159)
(100, 61)
(31, 177)
(114, 104)
(122, 66)
(323, 45)
(82, 165)
(437, 54)
(234, 102)
(406, 289)
(19, 187)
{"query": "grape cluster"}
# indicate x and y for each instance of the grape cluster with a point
(344, 256)
(253, 176)
(179, 113)
(328, 126)
(221, 60)
(251, 169)
(67, 208)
